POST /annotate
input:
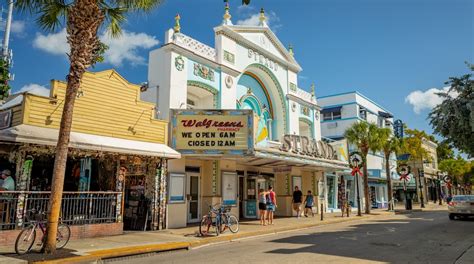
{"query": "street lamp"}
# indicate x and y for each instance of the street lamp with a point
(439, 188)
(355, 160)
(422, 200)
(404, 172)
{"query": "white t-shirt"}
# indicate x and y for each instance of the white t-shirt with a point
(8, 184)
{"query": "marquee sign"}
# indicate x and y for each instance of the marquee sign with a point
(213, 132)
(309, 147)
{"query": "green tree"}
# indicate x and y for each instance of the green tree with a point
(459, 169)
(365, 136)
(453, 119)
(390, 144)
(83, 20)
(4, 78)
(413, 145)
(444, 151)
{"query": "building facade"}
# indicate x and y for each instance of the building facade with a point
(116, 169)
(262, 129)
(339, 112)
(427, 174)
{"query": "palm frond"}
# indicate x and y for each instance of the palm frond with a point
(136, 5)
(115, 16)
(52, 14)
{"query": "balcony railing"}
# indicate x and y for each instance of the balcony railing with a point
(77, 208)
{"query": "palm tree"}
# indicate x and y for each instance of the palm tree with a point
(83, 18)
(365, 136)
(390, 144)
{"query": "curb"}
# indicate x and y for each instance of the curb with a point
(143, 249)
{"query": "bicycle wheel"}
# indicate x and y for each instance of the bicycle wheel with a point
(233, 224)
(63, 235)
(25, 240)
(205, 225)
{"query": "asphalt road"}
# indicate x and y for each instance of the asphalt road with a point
(420, 237)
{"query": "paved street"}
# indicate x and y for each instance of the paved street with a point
(420, 237)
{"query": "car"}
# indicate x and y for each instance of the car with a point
(461, 206)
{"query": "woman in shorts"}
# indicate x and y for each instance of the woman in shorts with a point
(262, 205)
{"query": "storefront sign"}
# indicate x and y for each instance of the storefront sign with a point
(213, 132)
(284, 169)
(257, 57)
(5, 119)
(309, 147)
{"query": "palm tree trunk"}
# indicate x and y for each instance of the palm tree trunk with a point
(366, 186)
(84, 19)
(389, 181)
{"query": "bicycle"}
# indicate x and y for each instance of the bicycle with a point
(228, 220)
(25, 240)
(209, 221)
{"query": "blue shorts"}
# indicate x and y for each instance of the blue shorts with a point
(271, 207)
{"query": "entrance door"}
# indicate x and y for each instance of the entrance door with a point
(194, 203)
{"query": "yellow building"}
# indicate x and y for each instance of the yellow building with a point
(117, 157)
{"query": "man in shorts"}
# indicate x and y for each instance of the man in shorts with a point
(297, 200)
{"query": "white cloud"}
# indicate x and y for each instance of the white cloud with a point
(425, 100)
(253, 20)
(125, 48)
(54, 43)
(18, 26)
(35, 89)
(122, 49)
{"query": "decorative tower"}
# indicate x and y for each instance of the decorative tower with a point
(177, 26)
(313, 94)
(227, 15)
(262, 18)
(290, 50)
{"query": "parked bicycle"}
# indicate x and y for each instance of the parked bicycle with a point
(228, 220)
(26, 238)
(210, 222)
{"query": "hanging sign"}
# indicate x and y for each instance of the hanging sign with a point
(213, 132)
(5, 119)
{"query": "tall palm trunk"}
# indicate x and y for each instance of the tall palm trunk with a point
(366, 189)
(389, 180)
(83, 22)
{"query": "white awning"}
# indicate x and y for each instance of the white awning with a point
(48, 136)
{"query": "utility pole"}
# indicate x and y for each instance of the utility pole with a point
(6, 37)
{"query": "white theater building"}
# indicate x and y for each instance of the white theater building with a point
(240, 122)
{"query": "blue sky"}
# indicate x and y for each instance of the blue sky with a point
(385, 49)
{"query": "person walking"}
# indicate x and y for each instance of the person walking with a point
(262, 205)
(297, 199)
(308, 204)
(271, 205)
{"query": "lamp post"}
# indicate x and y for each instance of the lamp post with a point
(404, 172)
(422, 200)
(440, 198)
(355, 160)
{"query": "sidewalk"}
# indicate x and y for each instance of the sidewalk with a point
(132, 243)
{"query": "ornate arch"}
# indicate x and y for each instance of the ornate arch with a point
(279, 89)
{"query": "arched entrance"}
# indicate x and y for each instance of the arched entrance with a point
(259, 90)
